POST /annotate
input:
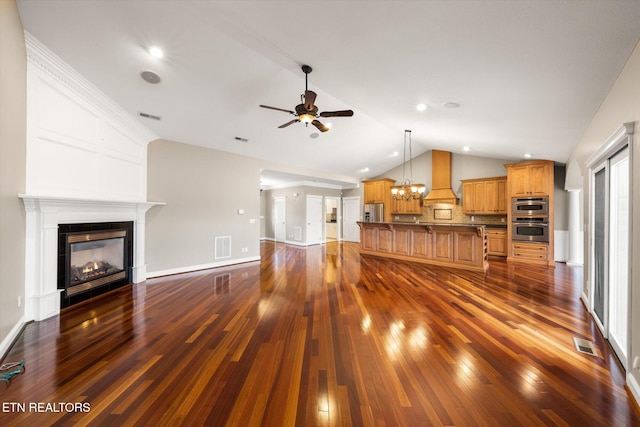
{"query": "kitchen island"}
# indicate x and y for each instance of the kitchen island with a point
(461, 246)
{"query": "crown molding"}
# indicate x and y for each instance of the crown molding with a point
(52, 65)
(621, 136)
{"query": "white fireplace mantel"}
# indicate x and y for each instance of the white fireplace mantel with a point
(44, 214)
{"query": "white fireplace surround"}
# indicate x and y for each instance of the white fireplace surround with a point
(43, 215)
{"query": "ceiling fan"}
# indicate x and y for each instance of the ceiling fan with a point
(306, 111)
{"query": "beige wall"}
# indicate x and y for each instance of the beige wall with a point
(621, 105)
(13, 113)
(203, 189)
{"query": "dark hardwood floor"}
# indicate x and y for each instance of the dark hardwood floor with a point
(322, 336)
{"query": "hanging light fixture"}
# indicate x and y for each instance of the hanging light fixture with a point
(408, 190)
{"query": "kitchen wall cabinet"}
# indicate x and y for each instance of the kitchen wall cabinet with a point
(413, 206)
(528, 179)
(379, 191)
(485, 196)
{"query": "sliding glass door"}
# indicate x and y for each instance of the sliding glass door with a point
(610, 253)
(619, 231)
(599, 245)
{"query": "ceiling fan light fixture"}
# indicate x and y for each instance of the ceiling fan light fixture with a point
(306, 118)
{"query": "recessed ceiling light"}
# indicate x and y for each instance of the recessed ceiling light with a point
(466, 148)
(156, 52)
(421, 107)
(314, 135)
(528, 155)
(364, 170)
(450, 105)
(395, 154)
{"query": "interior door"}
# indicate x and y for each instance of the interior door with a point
(280, 219)
(315, 220)
(350, 216)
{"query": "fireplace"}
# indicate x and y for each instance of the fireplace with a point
(93, 258)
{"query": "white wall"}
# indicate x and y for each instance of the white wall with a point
(621, 105)
(80, 143)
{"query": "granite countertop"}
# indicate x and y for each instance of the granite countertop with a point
(425, 223)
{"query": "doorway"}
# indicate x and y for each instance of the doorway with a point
(332, 229)
(610, 249)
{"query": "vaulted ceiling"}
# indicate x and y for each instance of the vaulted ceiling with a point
(528, 76)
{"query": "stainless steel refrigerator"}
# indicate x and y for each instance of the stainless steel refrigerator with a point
(374, 212)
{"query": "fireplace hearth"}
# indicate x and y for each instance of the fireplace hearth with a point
(93, 259)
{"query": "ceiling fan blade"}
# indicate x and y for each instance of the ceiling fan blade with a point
(320, 126)
(343, 113)
(288, 123)
(309, 99)
(278, 109)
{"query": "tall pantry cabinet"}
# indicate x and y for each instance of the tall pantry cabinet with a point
(530, 179)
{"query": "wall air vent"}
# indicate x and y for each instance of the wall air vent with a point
(149, 116)
(223, 247)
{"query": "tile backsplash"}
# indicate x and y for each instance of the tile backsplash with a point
(443, 213)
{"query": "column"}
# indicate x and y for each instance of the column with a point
(576, 251)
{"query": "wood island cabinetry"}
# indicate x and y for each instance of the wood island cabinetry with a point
(497, 242)
(454, 245)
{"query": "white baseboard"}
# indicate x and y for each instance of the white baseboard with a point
(634, 387)
(5, 345)
(191, 268)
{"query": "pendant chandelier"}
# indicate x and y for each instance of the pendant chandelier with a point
(408, 190)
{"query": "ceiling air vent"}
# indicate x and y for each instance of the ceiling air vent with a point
(149, 116)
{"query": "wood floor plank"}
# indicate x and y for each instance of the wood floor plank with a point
(325, 336)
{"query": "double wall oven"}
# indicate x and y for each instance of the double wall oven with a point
(530, 219)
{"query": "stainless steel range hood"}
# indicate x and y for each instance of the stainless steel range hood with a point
(441, 191)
